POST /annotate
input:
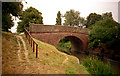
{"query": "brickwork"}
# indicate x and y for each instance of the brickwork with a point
(56, 28)
(52, 34)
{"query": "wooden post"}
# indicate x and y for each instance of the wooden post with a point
(25, 33)
(29, 39)
(26, 36)
(33, 46)
(31, 42)
(36, 50)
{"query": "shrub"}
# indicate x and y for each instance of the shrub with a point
(95, 66)
(64, 46)
(104, 33)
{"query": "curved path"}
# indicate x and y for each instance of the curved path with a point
(25, 49)
(31, 66)
(19, 49)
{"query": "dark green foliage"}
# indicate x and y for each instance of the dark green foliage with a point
(7, 22)
(58, 19)
(92, 18)
(10, 9)
(104, 33)
(64, 40)
(64, 46)
(107, 15)
(30, 15)
(97, 67)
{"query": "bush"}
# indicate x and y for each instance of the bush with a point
(104, 33)
(64, 46)
(95, 66)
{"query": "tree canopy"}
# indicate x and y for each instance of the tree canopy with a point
(107, 15)
(30, 15)
(104, 33)
(72, 18)
(58, 19)
(10, 9)
(93, 18)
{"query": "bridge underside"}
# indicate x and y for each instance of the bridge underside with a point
(78, 41)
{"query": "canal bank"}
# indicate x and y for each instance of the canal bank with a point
(114, 64)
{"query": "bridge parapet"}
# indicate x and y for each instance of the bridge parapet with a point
(56, 28)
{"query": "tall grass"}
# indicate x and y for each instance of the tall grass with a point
(95, 66)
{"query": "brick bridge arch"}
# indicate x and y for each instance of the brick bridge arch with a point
(52, 34)
(79, 42)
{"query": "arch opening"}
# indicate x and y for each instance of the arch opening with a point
(70, 44)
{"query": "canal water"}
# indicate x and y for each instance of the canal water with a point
(114, 64)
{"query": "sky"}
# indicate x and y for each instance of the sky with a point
(50, 8)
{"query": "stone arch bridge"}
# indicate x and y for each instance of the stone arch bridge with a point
(52, 34)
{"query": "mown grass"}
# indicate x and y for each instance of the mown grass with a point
(49, 55)
(73, 68)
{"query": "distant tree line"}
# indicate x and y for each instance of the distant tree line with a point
(32, 15)
(72, 18)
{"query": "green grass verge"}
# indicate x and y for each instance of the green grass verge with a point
(49, 55)
(95, 66)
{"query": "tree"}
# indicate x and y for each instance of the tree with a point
(58, 19)
(30, 15)
(104, 33)
(92, 18)
(10, 9)
(72, 18)
(82, 21)
(107, 15)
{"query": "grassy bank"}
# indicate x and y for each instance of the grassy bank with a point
(96, 66)
(67, 64)
(49, 61)
(10, 62)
